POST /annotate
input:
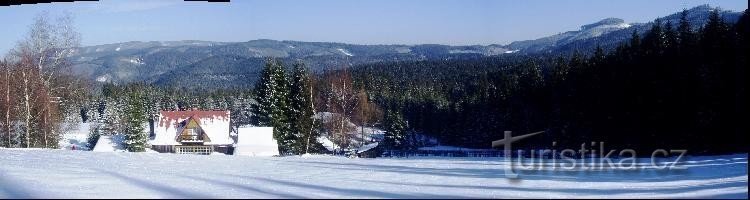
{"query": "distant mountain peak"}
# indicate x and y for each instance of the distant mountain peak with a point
(604, 22)
(702, 7)
(708, 8)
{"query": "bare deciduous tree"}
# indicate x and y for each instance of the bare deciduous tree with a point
(40, 75)
(367, 114)
(342, 100)
(8, 101)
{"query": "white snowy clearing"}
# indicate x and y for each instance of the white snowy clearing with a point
(76, 137)
(345, 52)
(43, 173)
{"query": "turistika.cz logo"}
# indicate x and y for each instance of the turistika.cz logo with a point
(597, 159)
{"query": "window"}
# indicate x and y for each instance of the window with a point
(201, 150)
(191, 132)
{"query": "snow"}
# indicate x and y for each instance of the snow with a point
(367, 147)
(325, 116)
(108, 143)
(117, 49)
(614, 26)
(328, 144)
(77, 136)
(457, 51)
(345, 52)
(214, 123)
(320, 156)
(403, 50)
(450, 148)
(256, 141)
(136, 61)
(44, 173)
(511, 51)
(355, 134)
(102, 78)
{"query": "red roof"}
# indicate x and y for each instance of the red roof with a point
(168, 116)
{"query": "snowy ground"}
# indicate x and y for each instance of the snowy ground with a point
(37, 173)
(76, 137)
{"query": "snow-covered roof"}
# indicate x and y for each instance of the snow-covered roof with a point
(328, 144)
(256, 141)
(108, 143)
(214, 123)
(367, 147)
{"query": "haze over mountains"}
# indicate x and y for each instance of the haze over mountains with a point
(207, 64)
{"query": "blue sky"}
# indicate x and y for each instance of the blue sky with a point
(454, 22)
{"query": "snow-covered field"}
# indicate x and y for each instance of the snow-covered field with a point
(41, 173)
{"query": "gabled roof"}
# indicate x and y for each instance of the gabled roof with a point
(167, 116)
(215, 125)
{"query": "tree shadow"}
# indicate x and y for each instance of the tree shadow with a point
(471, 173)
(155, 186)
(246, 187)
(15, 191)
(348, 192)
(611, 175)
(589, 191)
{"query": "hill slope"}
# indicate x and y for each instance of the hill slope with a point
(206, 64)
(41, 173)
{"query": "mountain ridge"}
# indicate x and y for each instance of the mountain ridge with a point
(164, 62)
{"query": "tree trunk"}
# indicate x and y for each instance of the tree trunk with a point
(27, 106)
(7, 103)
(362, 139)
(312, 126)
(46, 126)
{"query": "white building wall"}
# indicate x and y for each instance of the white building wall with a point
(256, 141)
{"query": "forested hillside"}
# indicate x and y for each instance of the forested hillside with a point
(675, 87)
(225, 64)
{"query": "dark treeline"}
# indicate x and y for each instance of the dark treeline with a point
(672, 88)
(280, 99)
(125, 108)
(155, 99)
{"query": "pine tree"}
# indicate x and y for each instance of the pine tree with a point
(135, 136)
(635, 43)
(670, 36)
(301, 112)
(241, 111)
(272, 109)
(561, 70)
(743, 32)
(653, 42)
(686, 35)
(395, 131)
(598, 57)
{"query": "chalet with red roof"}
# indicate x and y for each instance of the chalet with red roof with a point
(191, 132)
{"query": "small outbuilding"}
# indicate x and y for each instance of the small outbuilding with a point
(256, 141)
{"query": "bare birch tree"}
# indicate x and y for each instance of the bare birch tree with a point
(367, 114)
(44, 81)
(342, 100)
